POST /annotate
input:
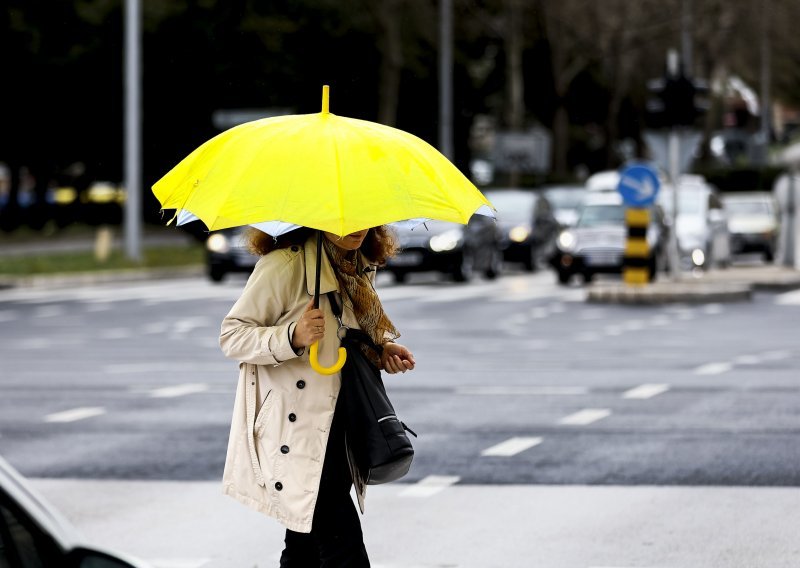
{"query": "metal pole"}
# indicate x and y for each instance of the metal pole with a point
(446, 78)
(133, 200)
(790, 246)
(675, 175)
(765, 82)
(686, 37)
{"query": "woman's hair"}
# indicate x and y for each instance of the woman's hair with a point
(379, 245)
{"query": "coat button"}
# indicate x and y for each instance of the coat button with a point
(301, 384)
(292, 417)
(279, 486)
(295, 249)
(284, 449)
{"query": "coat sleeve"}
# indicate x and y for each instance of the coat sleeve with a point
(250, 332)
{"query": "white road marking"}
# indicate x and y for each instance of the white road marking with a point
(613, 330)
(75, 414)
(558, 308)
(747, 360)
(713, 309)
(97, 308)
(522, 391)
(775, 355)
(591, 315)
(178, 390)
(645, 391)
(540, 313)
(685, 316)
(168, 367)
(34, 343)
(511, 447)
(633, 325)
(789, 299)
(186, 325)
(585, 416)
(430, 485)
(713, 368)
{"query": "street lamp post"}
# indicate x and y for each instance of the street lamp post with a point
(133, 126)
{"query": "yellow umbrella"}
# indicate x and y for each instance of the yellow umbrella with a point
(322, 171)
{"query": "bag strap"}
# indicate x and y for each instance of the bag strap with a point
(358, 335)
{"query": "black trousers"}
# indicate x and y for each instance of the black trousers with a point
(335, 540)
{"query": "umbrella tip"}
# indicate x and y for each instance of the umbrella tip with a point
(325, 98)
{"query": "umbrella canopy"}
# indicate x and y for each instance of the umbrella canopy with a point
(322, 171)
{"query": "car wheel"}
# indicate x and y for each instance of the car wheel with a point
(463, 271)
(495, 265)
(769, 256)
(587, 277)
(400, 277)
(216, 273)
(564, 276)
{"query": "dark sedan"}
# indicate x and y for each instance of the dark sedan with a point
(451, 248)
(527, 224)
(226, 252)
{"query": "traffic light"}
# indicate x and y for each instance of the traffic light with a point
(675, 100)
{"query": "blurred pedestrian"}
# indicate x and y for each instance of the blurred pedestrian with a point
(287, 455)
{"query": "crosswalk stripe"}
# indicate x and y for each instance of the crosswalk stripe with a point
(430, 485)
(713, 368)
(645, 391)
(511, 447)
(585, 416)
(75, 414)
(178, 390)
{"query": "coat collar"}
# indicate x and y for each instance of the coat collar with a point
(327, 281)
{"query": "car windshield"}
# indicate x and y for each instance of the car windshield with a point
(689, 202)
(738, 207)
(600, 215)
(565, 198)
(512, 207)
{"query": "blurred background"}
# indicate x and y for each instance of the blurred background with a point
(560, 425)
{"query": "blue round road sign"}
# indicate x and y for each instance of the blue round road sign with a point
(638, 185)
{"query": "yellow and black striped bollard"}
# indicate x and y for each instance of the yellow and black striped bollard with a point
(636, 264)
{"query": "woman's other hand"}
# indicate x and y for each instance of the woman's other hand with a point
(310, 328)
(396, 358)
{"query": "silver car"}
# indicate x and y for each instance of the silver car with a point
(701, 226)
(33, 533)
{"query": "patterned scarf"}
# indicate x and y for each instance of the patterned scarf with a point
(367, 307)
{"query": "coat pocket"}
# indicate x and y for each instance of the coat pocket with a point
(262, 415)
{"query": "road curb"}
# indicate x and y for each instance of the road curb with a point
(104, 277)
(668, 292)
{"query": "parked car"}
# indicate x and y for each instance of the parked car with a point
(566, 201)
(596, 244)
(33, 533)
(451, 248)
(753, 223)
(527, 225)
(701, 226)
(226, 251)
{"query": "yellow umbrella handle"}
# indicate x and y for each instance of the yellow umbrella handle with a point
(312, 355)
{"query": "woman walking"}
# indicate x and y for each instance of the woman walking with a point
(286, 455)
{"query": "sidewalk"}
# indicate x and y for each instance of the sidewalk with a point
(192, 525)
(151, 237)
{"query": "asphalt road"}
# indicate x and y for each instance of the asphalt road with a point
(518, 383)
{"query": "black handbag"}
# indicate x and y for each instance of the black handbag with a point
(377, 439)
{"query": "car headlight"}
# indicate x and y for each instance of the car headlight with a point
(519, 233)
(218, 243)
(446, 241)
(567, 241)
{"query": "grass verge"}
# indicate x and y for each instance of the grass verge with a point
(71, 262)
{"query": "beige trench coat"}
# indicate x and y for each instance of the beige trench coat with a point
(283, 408)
